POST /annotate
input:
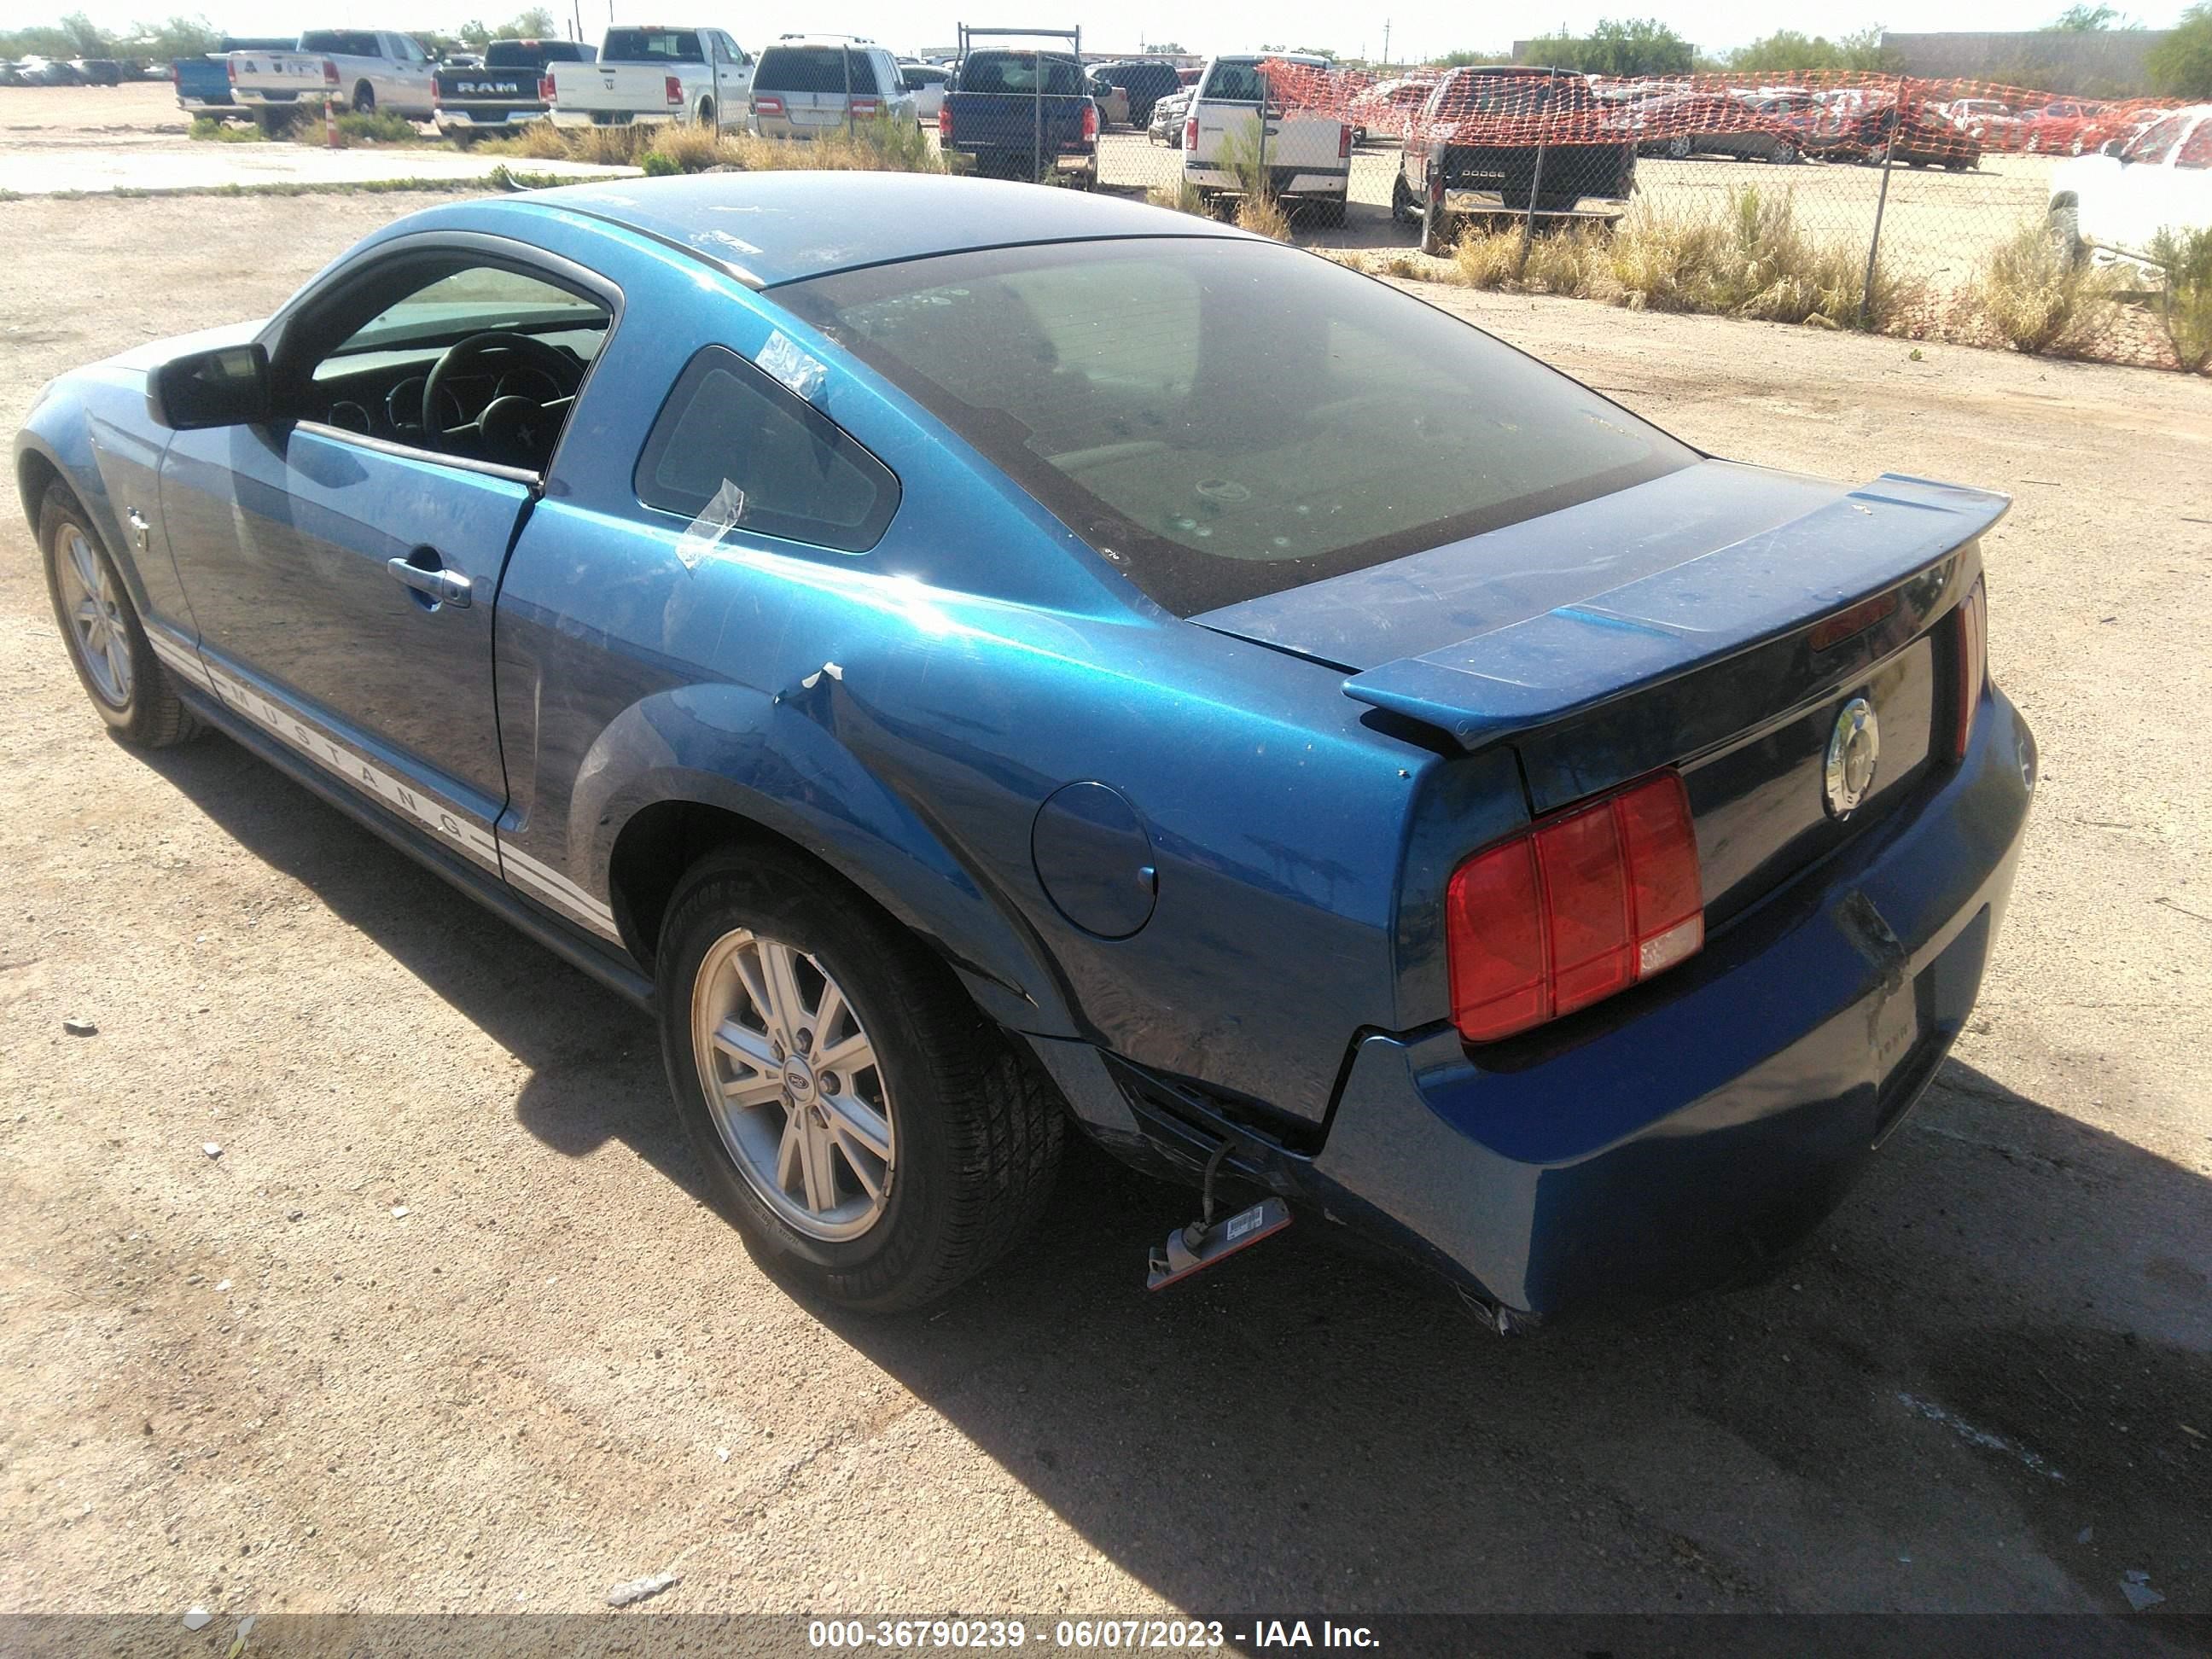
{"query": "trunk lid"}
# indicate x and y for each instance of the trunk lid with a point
(1679, 622)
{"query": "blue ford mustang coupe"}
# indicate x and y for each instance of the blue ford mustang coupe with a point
(973, 659)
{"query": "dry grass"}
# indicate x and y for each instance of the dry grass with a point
(2041, 300)
(1263, 216)
(1751, 260)
(540, 140)
(1180, 197)
(873, 146)
(2184, 309)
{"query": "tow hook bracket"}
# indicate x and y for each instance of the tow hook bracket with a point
(1189, 1249)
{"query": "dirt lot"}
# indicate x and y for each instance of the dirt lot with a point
(246, 1381)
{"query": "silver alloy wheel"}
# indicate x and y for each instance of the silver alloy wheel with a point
(794, 1085)
(97, 633)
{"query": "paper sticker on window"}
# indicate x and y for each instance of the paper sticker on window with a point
(704, 534)
(782, 360)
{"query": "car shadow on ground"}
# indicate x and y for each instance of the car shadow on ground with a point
(1983, 1386)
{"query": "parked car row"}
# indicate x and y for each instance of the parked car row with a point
(65, 72)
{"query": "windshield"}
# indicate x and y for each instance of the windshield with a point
(653, 46)
(1226, 418)
(520, 54)
(1011, 71)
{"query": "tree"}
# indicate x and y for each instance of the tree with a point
(2086, 19)
(2180, 66)
(1464, 60)
(1787, 50)
(1642, 45)
(180, 37)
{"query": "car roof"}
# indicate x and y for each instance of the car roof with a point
(770, 228)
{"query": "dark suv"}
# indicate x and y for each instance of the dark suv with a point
(1145, 80)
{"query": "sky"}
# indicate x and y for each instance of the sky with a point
(1418, 29)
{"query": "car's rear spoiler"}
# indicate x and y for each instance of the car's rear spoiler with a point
(1567, 661)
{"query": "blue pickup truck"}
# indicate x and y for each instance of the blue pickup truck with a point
(203, 83)
(1022, 115)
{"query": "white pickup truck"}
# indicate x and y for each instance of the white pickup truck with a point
(1308, 155)
(655, 73)
(362, 70)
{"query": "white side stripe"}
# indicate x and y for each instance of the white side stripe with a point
(179, 657)
(458, 827)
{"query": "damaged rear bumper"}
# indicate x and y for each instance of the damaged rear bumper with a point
(1681, 1134)
(1710, 1120)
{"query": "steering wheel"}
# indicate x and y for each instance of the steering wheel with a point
(507, 426)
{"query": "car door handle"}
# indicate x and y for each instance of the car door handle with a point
(434, 582)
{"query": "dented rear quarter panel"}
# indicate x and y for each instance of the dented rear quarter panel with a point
(904, 713)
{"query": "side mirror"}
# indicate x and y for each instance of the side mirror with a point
(227, 386)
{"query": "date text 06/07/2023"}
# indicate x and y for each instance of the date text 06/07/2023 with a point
(1085, 1634)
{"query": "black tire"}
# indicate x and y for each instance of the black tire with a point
(706, 111)
(977, 1125)
(1784, 153)
(1678, 148)
(1403, 208)
(273, 123)
(149, 713)
(364, 99)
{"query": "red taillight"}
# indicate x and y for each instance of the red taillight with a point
(1973, 660)
(1190, 133)
(230, 69)
(1090, 123)
(675, 89)
(944, 122)
(437, 97)
(1343, 141)
(330, 73)
(1573, 909)
(768, 106)
(176, 75)
(866, 109)
(544, 89)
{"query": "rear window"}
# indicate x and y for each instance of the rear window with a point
(1233, 83)
(1020, 71)
(654, 46)
(812, 68)
(341, 43)
(1224, 419)
(520, 54)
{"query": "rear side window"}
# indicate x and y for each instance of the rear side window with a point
(1011, 71)
(654, 46)
(811, 69)
(798, 475)
(2196, 148)
(341, 43)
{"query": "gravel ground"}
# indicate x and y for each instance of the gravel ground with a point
(446, 1325)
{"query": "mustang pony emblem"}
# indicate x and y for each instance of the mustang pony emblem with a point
(1854, 747)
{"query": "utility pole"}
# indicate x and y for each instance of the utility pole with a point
(1386, 43)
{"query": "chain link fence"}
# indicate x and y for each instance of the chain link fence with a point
(1924, 208)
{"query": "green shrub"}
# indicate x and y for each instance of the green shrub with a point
(221, 132)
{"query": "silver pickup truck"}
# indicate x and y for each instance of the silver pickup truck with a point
(363, 70)
(656, 75)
